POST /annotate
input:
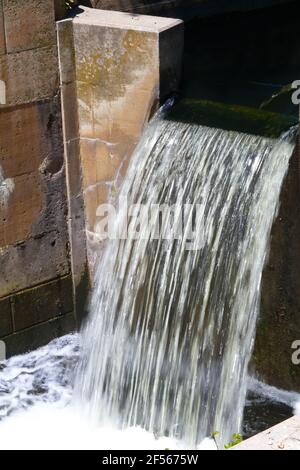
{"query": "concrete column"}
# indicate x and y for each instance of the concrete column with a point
(115, 69)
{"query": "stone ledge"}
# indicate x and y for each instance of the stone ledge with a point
(127, 21)
(283, 436)
(30, 75)
(28, 24)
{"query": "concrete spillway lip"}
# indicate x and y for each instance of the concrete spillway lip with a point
(283, 436)
(127, 21)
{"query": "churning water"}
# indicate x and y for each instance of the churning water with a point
(171, 327)
(172, 320)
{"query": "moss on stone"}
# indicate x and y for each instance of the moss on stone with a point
(231, 117)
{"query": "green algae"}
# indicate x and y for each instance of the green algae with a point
(231, 117)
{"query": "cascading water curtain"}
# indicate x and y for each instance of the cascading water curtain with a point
(173, 316)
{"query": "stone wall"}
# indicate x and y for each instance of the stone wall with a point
(47, 202)
(36, 292)
(279, 322)
(114, 70)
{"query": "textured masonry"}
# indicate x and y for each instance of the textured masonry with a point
(114, 68)
(36, 292)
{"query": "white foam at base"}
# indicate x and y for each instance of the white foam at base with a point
(274, 394)
(48, 427)
(36, 410)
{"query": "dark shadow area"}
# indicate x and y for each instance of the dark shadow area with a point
(239, 67)
(261, 413)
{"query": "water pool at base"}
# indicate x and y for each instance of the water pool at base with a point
(38, 410)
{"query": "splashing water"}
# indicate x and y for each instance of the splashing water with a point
(39, 377)
(36, 409)
(171, 329)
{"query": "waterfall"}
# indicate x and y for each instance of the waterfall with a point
(172, 317)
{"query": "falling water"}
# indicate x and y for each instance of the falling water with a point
(172, 321)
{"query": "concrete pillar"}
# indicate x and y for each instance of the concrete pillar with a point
(115, 69)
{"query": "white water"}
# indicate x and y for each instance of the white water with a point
(170, 332)
(274, 394)
(36, 409)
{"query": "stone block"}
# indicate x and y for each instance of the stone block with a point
(28, 25)
(34, 261)
(30, 135)
(42, 303)
(73, 168)
(66, 293)
(5, 318)
(70, 111)
(39, 335)
(31, 160)
(2, 32)
(30, 75)
(23, 208)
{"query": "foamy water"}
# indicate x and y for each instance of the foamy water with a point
(274, 394)
(51, 427)
(37, 411)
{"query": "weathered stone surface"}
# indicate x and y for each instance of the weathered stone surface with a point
(110, 82)
(5, 318)
(42, 303)
(121, 65)
(279, 323)
(33, 261)
(18, 216)
(76, 208)
(283, 436)
(66, 51)
(34, 239)
(30, 75)
(2, 33)
(70, 113)
(29, 24)
(31, 157)
(25, 138)
(39, 335)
